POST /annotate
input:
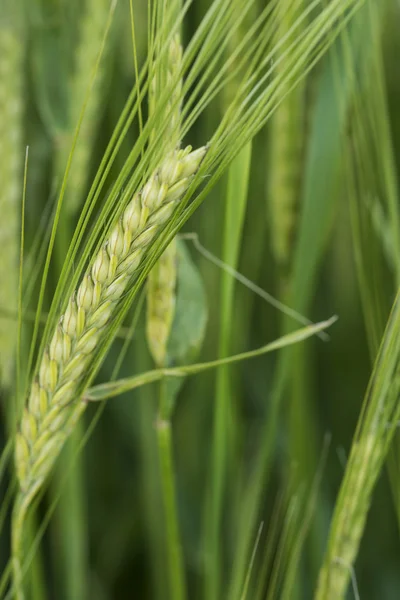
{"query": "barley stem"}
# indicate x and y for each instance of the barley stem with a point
(225, 423)
(20, 510)
(174, 548)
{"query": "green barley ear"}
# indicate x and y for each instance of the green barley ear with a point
(162, 279)
(91, 34)
(54, 403)
(286, 146)
(11, 175)
(166, 73)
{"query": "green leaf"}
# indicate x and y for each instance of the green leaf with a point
(115, 388)
(191, 312)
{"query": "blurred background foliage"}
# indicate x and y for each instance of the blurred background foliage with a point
(328, 161)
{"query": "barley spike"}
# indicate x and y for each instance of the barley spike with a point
(11, 154)
(92, 27)
(54, 405)
(162, 279)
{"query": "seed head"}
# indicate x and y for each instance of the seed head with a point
(54, 404)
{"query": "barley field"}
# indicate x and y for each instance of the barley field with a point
(199, 300)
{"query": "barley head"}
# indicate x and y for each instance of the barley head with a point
(92, 28)
(162, 279)
(286, 152)
(167, 75)
(54, 403)
(11, 153)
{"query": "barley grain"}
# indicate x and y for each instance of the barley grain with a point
(54, 406)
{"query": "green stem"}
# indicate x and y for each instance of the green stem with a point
(21, 506)
(70, 524)
(225, 420)
(173, 543)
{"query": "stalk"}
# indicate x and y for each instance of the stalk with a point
(224, 411)
(174, 548)
(19, 516)
(152, 498)
(224, 418)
